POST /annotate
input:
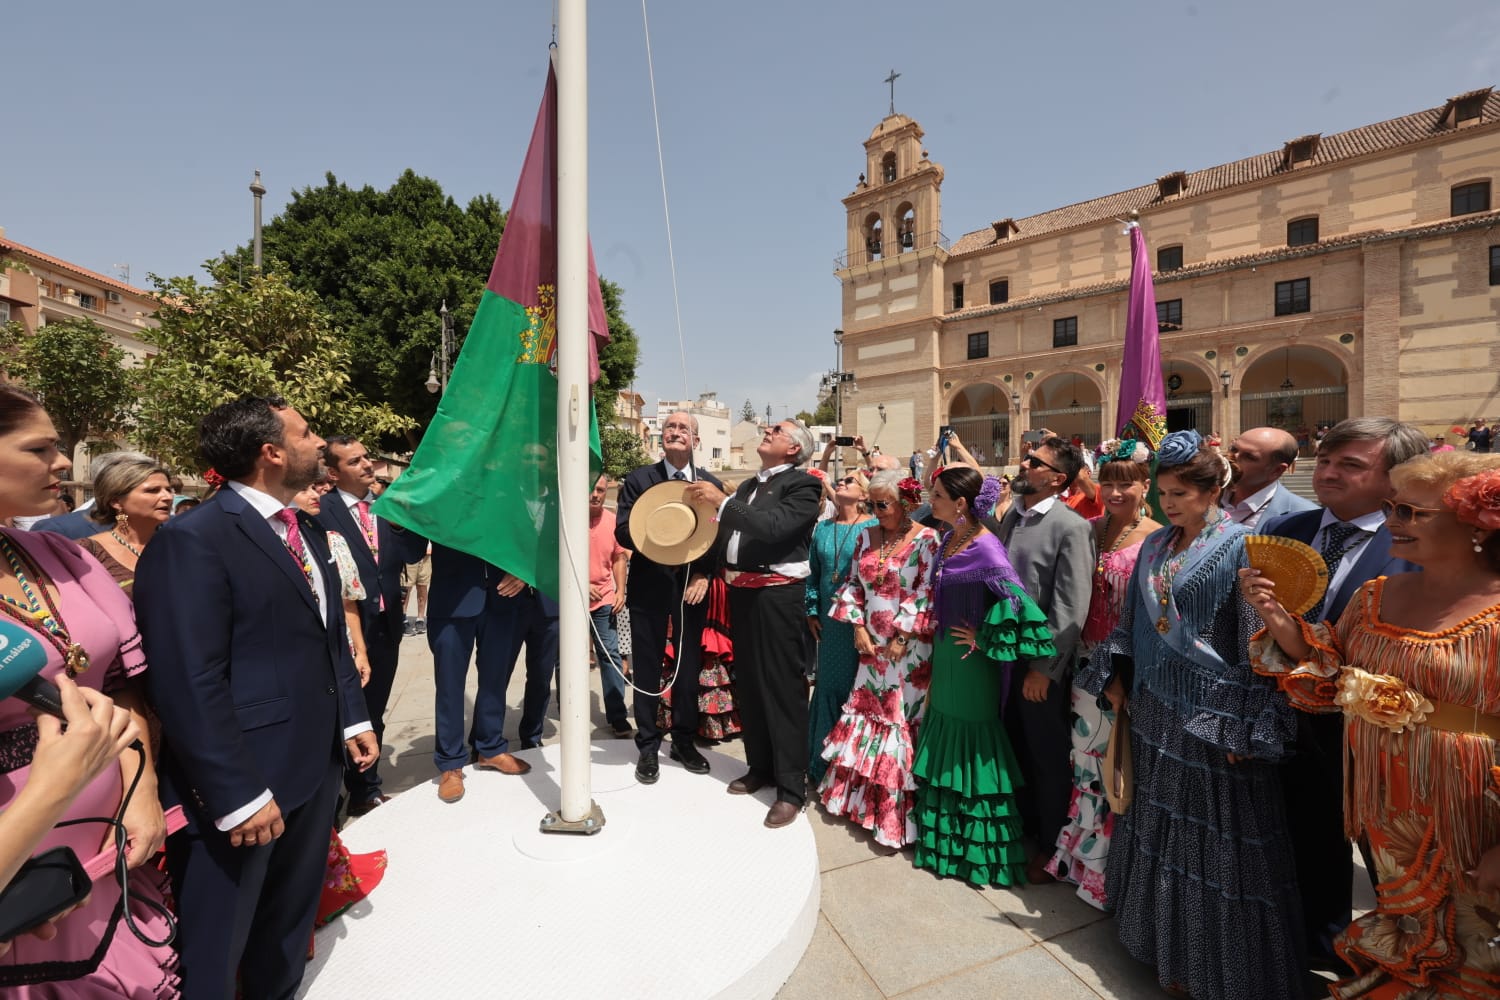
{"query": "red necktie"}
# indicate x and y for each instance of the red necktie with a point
(372, 538)
(293, 543)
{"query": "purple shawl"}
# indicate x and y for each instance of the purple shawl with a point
(964, 583)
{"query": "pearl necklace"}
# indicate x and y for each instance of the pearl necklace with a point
(127, 546)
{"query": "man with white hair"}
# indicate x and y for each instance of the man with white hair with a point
(766, 528)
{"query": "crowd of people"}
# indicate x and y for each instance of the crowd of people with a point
(1078, 674)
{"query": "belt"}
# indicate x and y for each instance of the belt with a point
(1462, 719)
(753, 579)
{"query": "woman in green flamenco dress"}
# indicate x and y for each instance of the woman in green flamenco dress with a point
(968, 823)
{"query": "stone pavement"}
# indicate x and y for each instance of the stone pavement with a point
(885, 929)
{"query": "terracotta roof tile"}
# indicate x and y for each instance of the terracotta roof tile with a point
(8, 246)
(1331, 149)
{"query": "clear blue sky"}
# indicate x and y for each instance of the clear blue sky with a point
(133, 129)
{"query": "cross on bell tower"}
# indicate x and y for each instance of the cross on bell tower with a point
(892, 81)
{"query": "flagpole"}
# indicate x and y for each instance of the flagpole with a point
(577, 811)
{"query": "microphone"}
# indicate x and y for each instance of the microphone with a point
(22, 659)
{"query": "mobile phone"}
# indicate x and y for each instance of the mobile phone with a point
(844, 441)
(1032, 437)
(48, 884)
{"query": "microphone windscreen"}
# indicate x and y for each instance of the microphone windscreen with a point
(23, 656)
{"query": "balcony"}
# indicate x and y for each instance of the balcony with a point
(906, 241)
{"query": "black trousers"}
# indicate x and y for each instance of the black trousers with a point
(648, 643)
(383, 647)
(1312, 784)
(1040, 735)
(770, 653)
(250, 909)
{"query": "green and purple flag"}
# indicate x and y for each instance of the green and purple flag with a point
(1142, 413)
(484, 478)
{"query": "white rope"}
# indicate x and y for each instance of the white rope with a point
(666, 210)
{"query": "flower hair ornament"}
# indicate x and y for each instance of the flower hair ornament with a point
(1178, 448)
(1128, 450)
(1476, 500)
(213, 479)
(989, 495)
(910, 491)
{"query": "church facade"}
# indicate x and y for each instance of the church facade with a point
(1350, 274)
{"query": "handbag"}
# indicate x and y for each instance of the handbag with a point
(1119, 775)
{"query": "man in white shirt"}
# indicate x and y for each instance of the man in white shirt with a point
(1258, 459)
(259, 700)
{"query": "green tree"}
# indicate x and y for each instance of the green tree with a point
(805, 417)
(622, 452)
(747, 412)
(825, 415)
(382, 262)
(80, 375)
(222, 340)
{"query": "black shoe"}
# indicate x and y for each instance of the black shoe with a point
(647, 770)
(622, 730)
(528, 745)
(690, 759)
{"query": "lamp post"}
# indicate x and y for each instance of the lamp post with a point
(838, 382)
(257, 191)
(437, 373)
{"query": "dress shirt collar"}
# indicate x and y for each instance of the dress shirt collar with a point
(350, 499)
(1252, 504)
(265, 505)
(765, 474)
(1039, 508)
(672, 470)
(1368, 523)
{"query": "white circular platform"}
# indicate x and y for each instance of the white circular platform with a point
(684, 893)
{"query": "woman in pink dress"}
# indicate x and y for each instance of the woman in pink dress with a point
(1083, 844)
(84, 621)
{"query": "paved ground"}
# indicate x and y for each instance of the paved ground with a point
(885, 929)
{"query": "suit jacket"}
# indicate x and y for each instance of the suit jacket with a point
(650, 584)
(777, 526)
(74, 524)
(1055, 563)
(1284, 501)
(462, 584)
(397, 548)
(254, 682)
(1375, 560)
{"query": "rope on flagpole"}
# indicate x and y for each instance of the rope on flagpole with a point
(666, 209)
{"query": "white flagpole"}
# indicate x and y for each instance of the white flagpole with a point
(577, 808)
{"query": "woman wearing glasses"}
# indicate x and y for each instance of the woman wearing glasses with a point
(831, 556)
(1414, 666)
(868, 753)
(1200, 871)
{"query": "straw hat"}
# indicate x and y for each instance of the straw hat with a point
(666, 529)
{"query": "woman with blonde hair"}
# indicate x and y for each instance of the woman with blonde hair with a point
(133, 496)
(1414, 666)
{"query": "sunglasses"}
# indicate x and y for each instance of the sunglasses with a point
(773, 431)
(1407, 512)
(848, 481)
(885, 504)
(1037, 463)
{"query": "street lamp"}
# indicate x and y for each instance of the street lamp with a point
(437, 374)
(1224, 379)
(838, 382)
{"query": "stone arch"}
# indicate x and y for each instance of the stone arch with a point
(1297, 387)
(906, 226)
(1190, 405)
(874, 236)
(1069, 401)
(981, 412)
(888, 167)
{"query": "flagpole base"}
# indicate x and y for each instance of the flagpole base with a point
(590, 824)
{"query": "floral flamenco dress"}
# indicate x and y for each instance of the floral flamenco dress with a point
(830, 558)
(1422, 727)
(1083, 844)
(868, 752)
(968, 821)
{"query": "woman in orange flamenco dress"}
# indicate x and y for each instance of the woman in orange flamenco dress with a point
(1414, 665)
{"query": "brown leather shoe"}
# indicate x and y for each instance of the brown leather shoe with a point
(505, 763)
(747, 784)
(782, 813)
(451, 786)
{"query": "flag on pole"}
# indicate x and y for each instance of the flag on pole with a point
(484, 478)
(1142, 413)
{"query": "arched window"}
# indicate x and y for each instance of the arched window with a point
(873, 243)
(906, 227)
(888, 168)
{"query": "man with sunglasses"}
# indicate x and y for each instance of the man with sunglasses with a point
(1052, 549)
(1351, 479)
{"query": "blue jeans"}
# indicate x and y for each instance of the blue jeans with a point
(607, 652)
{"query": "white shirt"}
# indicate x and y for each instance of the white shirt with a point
(1249, 510)
(1037, 509)
(797, 570)
(349, 501)
(672, 470)
(1368, 525)
(269, 507)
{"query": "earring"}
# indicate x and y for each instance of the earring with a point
(959, 521)
(121, 518)
(1475, 539)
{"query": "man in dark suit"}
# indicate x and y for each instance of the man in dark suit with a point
(381, 550)
(1052, 550)
(766, 528)
(656, 595)
(472, 602)
(259, 699)
(1258, 459)
(1351, 478)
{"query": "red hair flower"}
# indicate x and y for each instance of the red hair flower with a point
(910, 490)
(1476, 500)
(212, 478)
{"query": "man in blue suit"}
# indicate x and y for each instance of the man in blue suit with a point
(381, 550)
(1258, 459)
(1351, 478)
(473, 603)
(259, 699)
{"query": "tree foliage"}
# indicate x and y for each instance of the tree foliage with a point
(383, 262)
(622, 452)
(826, 414)
(222, 340)
(80, 375)
(747, 412)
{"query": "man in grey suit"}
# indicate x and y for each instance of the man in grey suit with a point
(1259, 458)
(1052, 549)
(1351, 478)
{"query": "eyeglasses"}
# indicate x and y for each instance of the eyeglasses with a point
(1037, 463)
(848, 481)
(885, 504)
(778, 429)
(1407, 512)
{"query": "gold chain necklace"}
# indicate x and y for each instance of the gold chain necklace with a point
(1120, 541)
